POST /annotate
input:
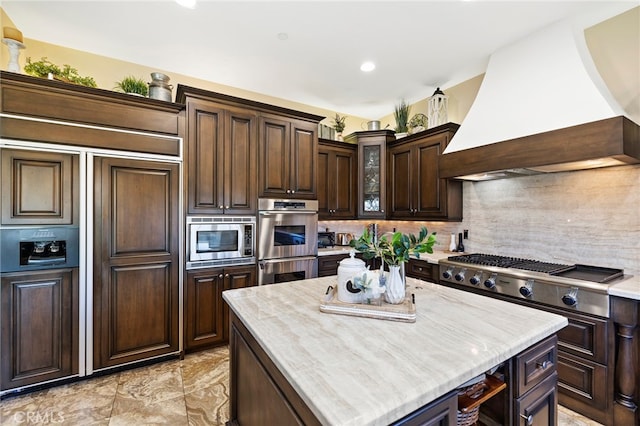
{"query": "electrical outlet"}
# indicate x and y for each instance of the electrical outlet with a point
(465, 234)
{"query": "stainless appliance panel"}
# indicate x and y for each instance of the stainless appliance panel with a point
(284, 270)
(39, 248)
(289, 229)
(220, 241)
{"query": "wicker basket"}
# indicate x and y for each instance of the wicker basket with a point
(475, 391)
(469, 418)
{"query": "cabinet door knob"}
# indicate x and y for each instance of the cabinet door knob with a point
(220, 206)
(544, 364)
(528, 419)
(226, 275)
(293, 192)
(226, 207)
(220, 276)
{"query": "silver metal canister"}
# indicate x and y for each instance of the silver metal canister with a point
(159, 88)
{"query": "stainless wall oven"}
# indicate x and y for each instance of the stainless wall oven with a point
(220, 241)
(288, 240)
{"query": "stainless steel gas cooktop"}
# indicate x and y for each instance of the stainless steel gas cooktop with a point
(581, 288)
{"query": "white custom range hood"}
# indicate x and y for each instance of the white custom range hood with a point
(542, 107)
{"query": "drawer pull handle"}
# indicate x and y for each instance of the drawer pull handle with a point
(544, 364)
(528, 419)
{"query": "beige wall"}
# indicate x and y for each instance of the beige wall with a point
(614, 45)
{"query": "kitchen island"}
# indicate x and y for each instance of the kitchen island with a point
(292, 363)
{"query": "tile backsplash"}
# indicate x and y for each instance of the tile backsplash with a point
(590, 217)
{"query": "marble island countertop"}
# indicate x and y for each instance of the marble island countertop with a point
(363, 371)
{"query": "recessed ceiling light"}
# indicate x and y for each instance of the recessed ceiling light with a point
(367, 66)
(191, 4)
(283, 36)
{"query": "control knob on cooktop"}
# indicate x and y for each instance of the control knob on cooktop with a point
(490, 282)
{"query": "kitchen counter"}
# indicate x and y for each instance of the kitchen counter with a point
(363, 371)
(429, 257)
(629, 288)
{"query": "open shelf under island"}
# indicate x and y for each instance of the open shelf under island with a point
(292, 364)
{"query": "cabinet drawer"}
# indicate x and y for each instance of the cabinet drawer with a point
(536, 363)
(583, 385)
(423, 270)
(585, 336)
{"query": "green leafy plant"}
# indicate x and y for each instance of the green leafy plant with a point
(339, 123)
(401, 114)
(131, 84)
(44, 67)
(394, 248)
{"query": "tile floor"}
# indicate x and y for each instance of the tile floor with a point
(193, 391)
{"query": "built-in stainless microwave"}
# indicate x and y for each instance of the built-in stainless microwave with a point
(220, 241)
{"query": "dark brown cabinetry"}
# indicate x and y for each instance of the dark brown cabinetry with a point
(288, 158)
(414, 187)
(337, 180)
(206, 313)
(422, 270)
(39, 188)
(39, 323)
(372, 173)
(136, 269)
(626, 319)
(222, 158)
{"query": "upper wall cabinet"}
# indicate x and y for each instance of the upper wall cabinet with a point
(288, 158)
(236, 145)
(39, 188)
(414, 187)
(337, 180)
(372, 173)
(221, 141)
(37, 109)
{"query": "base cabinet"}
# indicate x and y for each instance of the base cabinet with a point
(206, 314)
(423, 270)
(39, 323)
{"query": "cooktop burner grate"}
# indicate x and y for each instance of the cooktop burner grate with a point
(509, 262)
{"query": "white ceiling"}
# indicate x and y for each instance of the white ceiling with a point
(417, 45)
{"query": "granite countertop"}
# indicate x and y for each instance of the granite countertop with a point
(629, 288)
(363, 371)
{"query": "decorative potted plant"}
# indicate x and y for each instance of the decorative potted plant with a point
(418, 123)
(394, 249)
(47, 69)
(133, 85)
(401, 114)
(339, 123)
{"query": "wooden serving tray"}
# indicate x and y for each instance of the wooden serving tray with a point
(403, 312)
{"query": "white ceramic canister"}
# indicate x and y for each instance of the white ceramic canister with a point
(348, 269)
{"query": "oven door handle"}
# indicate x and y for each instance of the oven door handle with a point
(275, 213)
(266, 262)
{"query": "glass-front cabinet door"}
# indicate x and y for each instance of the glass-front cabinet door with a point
(372, 172)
